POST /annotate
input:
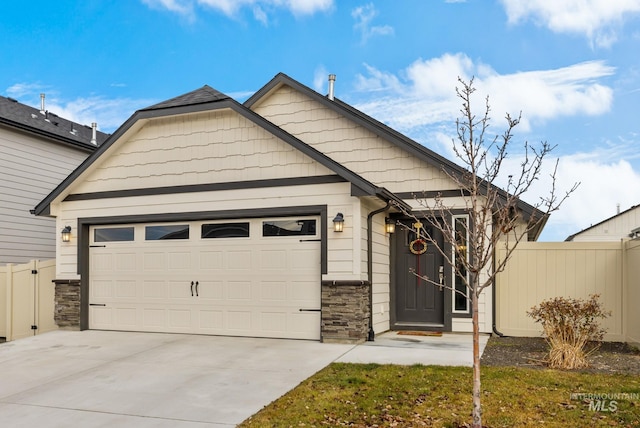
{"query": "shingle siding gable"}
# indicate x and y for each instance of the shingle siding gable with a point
(209, 147)
(350, 144)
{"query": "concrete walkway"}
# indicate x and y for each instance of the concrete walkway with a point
(105, 379)
(393, 348)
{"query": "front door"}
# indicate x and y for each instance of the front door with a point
(418, 303)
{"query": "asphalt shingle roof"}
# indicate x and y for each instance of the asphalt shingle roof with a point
(203, 95)
(20, 116)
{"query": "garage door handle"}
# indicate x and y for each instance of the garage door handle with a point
(191, 288)
(197, 283)
(310, 310)
(97, 304)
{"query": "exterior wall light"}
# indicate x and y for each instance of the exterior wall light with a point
(338, 223)
(66, 234)
(389, 225)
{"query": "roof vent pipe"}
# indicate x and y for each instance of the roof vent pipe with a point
(42, 103)
(332, 81)
(94, 140)
(618, 208)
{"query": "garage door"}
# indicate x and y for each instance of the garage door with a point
(254, 277)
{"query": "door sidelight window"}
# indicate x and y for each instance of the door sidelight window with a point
(460, 298)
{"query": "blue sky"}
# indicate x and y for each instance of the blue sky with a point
(571, 67)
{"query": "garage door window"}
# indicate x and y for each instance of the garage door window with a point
(173, 231)
(225, 230)
(113, 234)
(293, 227)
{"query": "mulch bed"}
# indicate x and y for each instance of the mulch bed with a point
(611, 357)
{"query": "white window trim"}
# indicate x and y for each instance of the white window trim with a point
(453, 269)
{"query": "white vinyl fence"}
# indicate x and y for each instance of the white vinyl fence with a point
(542, 270)
(27, 296)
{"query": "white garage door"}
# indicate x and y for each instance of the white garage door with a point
(255, 277)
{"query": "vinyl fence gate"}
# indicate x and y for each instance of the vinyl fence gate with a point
(27, 296)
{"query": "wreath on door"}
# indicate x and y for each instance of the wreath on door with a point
(418, 246)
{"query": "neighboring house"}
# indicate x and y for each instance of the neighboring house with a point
(624, 225)
(204, 215)
(38, 149)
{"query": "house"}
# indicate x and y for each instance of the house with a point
(203, 215)
(38, 149)
(623, 225)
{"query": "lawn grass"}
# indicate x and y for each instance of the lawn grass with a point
(370, 395)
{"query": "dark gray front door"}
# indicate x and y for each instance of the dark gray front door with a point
(418, 304)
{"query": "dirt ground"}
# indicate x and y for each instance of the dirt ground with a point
(611, 357)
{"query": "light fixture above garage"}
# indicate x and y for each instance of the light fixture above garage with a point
(389, 225)
(338, 223)
(66, 234)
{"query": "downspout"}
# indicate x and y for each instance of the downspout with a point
(623, 308)
(493, 301)
(372, 334)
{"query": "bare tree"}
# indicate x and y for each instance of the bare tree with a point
(495, 219)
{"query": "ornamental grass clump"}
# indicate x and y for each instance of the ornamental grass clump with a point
(571, 328)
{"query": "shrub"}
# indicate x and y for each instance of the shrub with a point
(571, 328)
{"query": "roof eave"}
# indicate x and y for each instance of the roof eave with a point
(537, 231)
(54, 138)
(391, 197)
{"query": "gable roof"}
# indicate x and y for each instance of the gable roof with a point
(593, 226)
(205, 99)
(23, 118)
(383, 131)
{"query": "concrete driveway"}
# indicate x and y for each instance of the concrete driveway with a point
(106, 379)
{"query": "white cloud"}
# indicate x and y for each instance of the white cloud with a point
(377, 80)
(181, 7)
(228, 7)
(424, 93)
(260, 15)
(420, 101)
(109, 114)
(603, 185)
(598, 20)
(320, 79)
(260, 8)
(306, 7)
(19, 90)
(240, 96)
(363, 16)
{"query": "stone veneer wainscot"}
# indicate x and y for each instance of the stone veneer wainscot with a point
(67, 303)
(345, 311)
